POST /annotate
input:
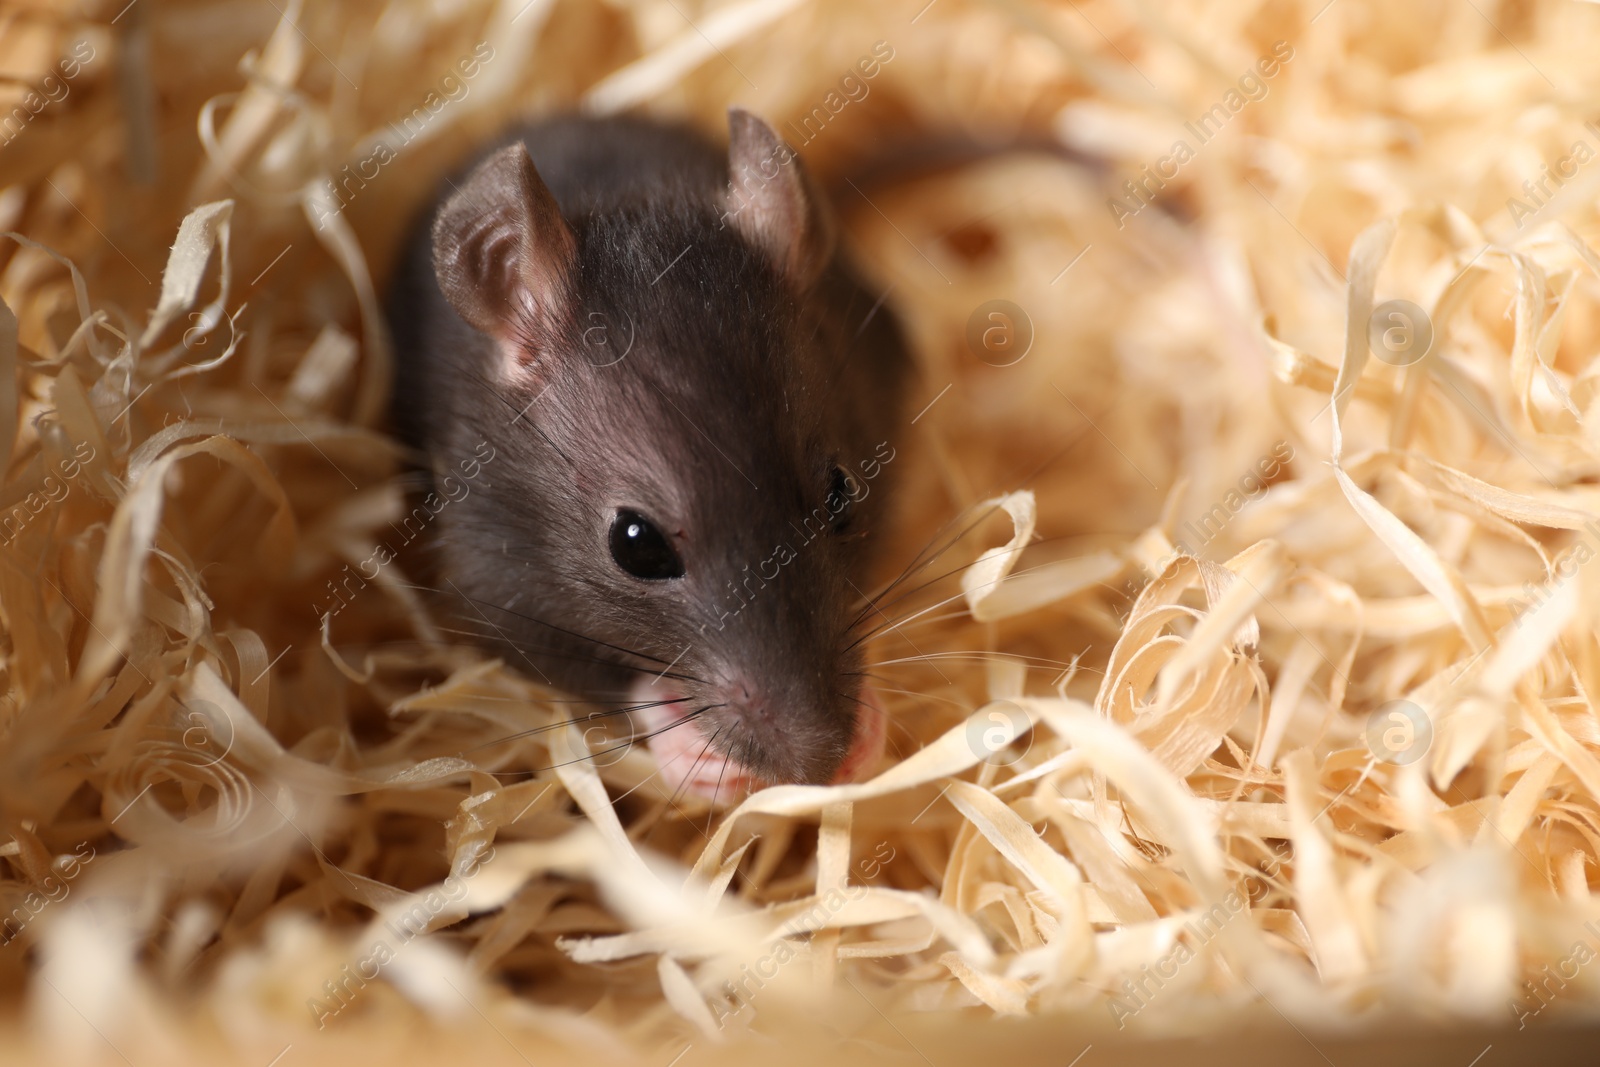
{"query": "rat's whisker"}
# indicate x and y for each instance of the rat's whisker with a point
(893, 723)
(868, 674)
(601, 697)
(896, 624)
(606, 751)
(550, 625)
(593, 640)
(914, 566)
(744, 761)
(923, 696)
(852, 698)
(720, 775)
(522, 648)
(916, 561)
(592, 716)
(704, 751)
(949, 616)
(981, 656)
(553, 652)
(907, 594)
(998, 505)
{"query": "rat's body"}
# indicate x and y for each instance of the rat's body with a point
(693, 407)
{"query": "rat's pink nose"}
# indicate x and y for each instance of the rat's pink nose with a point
(715, 761)
(748, 702)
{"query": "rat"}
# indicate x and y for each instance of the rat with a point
(681, 403)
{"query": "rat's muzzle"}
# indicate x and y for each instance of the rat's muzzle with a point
(688, 758)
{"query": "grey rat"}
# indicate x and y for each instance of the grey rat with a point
(683, 406)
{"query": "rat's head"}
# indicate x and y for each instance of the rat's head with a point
(687, 481)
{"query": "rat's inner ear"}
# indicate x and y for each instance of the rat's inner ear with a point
(502, 252)
(772, 202)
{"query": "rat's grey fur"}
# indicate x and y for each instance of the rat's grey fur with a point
(744, 382)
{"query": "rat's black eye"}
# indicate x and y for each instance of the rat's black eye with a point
(641, 549)
(842, 491)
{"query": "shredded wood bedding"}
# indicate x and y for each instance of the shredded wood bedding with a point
(1248, 665)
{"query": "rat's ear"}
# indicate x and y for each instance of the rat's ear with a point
(772, 201)
(501, 249)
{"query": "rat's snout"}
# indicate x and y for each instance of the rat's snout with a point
(785, 733)
(749, 736)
